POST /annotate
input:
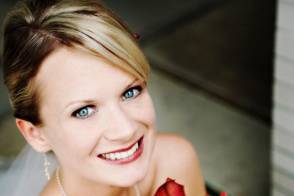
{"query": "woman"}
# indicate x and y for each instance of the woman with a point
(78, 87)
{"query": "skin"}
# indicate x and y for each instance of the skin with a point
(74, 82)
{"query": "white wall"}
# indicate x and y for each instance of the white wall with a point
(283, 128)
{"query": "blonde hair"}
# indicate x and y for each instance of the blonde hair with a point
(35, 28)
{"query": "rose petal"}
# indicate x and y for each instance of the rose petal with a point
(170, 188)
(161, 191)
(174, 189)
(223, 194)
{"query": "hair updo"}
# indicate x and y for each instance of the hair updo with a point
(35, 28)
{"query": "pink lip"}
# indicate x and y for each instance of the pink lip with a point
(123, 149)
(132, 158)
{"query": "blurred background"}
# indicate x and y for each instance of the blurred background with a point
(212, 82)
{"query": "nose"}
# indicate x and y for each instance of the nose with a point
(119, 126)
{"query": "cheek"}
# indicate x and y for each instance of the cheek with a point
(73, 138)
(143, 110)
(83, 134)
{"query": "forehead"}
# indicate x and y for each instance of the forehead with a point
(69, 74)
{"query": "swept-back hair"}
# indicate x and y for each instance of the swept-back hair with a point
(35, 28)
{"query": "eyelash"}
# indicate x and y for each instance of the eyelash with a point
(77, 115)
(138, 89)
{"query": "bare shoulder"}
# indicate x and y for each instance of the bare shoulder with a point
(177, 158)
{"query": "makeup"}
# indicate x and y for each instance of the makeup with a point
(125, 155)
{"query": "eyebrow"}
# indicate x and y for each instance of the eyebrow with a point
(91, 101)
(130, 84)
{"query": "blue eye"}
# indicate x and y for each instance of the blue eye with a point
(132, 92)
(84, 112)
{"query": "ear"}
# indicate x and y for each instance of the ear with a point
(33, 135)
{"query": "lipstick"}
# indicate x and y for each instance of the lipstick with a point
(124, 155)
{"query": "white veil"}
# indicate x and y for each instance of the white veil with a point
(26, 176)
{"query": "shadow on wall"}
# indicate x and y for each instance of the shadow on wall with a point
(4, 103)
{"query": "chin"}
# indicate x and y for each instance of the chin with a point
(131, 179)
(136, 173)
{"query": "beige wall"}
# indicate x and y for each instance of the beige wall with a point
(283, 129)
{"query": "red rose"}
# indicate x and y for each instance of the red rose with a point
(221, 194)
(170, 188)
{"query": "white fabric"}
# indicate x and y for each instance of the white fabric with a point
(25, 176)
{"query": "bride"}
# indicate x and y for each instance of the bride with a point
(77, 82)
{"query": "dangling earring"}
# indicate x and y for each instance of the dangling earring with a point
(46, 166)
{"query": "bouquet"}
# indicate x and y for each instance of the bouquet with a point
(171, 188)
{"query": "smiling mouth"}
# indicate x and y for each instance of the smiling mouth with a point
(125, 155)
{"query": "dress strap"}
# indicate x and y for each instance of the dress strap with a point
(137, 191)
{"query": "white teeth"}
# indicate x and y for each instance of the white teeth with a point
(121, 155)
(129, 153)
(117, 155)
(124, 155)
(112, 156)
(134, 148)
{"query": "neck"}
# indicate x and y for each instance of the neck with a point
(68, 185)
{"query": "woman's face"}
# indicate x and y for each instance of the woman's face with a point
(98, 120)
